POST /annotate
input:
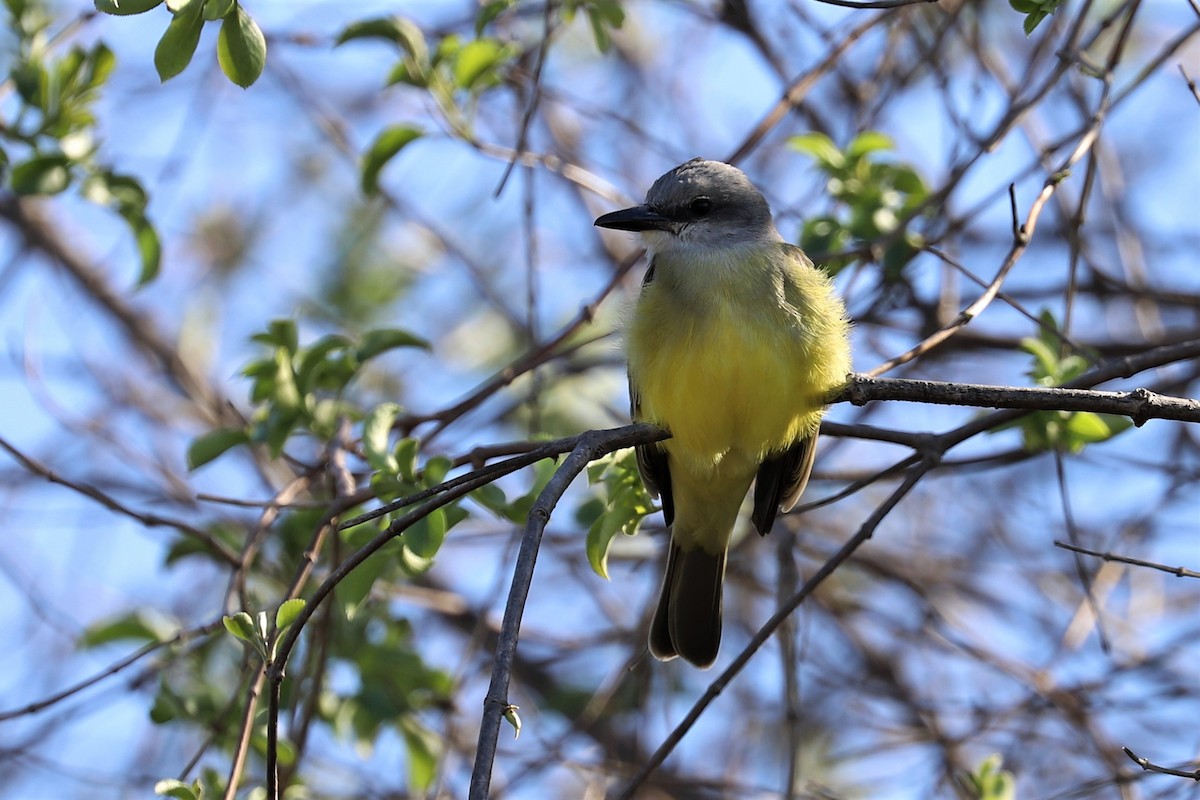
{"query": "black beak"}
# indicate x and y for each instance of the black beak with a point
(638, 218)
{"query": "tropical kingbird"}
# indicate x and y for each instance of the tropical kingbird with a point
(734, 342)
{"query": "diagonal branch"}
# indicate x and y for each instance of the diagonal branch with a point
(591, 446)
(768, 629)
(28, 219)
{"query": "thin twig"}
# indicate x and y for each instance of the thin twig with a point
(137, 655)
(1089, 589)
(214, 545)
(874, 4)
(247, 729)
(1150, 766)
(1179, 572)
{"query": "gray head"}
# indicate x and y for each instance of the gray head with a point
(699, 203)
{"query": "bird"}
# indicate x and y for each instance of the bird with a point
(733, 345)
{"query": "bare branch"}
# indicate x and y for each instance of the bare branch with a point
(214, 545)
(1179, 572)
(590, 446)
(1150, 766)
(1139, 404)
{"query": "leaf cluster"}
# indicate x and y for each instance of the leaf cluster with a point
(1062, 431)
(876, 202)
(241, 46)
(49, 145)
(991, 781)
(1035, 11)
(299, 389)
(620, 507)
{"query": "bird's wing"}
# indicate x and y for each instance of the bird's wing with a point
(652, 462)
(651, 459)
(781, 480)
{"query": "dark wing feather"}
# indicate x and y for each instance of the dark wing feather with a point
(781, 479)
(652, 459)
(652, 463)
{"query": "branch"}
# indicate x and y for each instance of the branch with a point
(218, 548)
(1150, 766)
(182, 637)
(871, 4)
(1022, 236)
(238, 763)
(591, 445)
(1138, 404)
(30, 221)
(1178, 572)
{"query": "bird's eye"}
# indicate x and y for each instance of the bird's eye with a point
(700, 206)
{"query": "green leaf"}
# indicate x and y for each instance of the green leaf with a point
(477, 61)
(455, 514)
(599, 540)
(241, 48)
(217, 9)
(491, 497)
(820, 147)
(411, 564)
(286, 394)
(489, 11)
(424, 750)
(123, 192)
(406, 458)
(377, 428)
(397, 30)
(178, 44)
(869, 142)
(435, 469)
(279, 333)
(386, 145)
(42, 175)
(355, 588)
(1045, 358)
(426, 536)
(543, 471)
(603, 16)
(209, 446)
(277, 427)
(178, 789)
(288, 611)
(383, 339)
(241, 625)
(167, 705)
(991, 782)
(315, 368)
(126, 7)
(1086, 427)
(148, 246)
(142, 625)
(101, 63)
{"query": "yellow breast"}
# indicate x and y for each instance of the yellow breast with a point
(742, 371)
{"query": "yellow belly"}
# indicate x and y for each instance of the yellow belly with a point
(725, 383)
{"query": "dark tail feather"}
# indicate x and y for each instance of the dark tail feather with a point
(687, 622)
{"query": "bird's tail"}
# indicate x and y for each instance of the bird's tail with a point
(687, 622)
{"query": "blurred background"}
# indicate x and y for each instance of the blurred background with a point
(399, 211)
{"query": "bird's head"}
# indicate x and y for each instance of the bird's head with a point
(699, 204)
